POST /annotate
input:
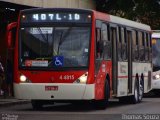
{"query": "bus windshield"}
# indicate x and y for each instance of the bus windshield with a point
(54, 47)
(156, 53)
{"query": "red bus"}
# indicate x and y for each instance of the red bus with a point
(79, 55)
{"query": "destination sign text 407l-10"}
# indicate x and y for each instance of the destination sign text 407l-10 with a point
(56, 17)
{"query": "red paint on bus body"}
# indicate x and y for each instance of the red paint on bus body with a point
(100, 80)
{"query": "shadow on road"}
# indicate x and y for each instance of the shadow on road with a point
(79, 107)
(86, 106)
(152, 94)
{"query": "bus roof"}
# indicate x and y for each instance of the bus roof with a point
(156, 34)
(130, 23)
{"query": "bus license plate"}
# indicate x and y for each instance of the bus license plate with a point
(51, 88)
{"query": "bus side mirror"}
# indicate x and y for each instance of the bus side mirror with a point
(10, 34)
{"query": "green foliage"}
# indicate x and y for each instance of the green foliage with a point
(144, 11)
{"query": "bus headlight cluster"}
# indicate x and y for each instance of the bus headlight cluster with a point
(157, 76)
(24, 79)
(82, 79)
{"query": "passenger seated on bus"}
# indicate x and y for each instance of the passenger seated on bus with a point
(142, 54)
(100, 49)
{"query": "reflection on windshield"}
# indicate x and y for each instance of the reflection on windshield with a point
(54, 46)
(156, 54)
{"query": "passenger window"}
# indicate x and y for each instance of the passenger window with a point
(135, 46)
(106, 41)
(146, 47)
(120, 45)
(141, 46)
(104, 33)
(99, 44)
(124, 44)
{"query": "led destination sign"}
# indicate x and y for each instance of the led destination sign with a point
(56, 17)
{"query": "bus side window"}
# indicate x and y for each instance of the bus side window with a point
(119, 44)
(146, 47)
(141, 46)
(106, 41)
(135, 46)
(150, 47)
(99, 44)
(124, 44)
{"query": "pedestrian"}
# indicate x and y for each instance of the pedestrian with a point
(9, 77)
(1, 77)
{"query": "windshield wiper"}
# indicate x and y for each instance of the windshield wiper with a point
(60, 42)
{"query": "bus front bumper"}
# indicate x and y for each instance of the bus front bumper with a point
(156, 84)
(54, 91)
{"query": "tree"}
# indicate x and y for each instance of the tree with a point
(144, 11)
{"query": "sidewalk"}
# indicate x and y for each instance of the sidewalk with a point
(8, 101)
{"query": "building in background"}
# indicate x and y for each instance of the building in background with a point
(89, 4)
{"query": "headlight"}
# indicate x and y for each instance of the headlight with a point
(82, 79)
(156, 77)
(24, 79)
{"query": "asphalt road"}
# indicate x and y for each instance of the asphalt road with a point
(148, 109)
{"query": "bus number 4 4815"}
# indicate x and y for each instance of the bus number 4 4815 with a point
(66, 77)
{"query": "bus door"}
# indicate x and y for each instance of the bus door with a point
(113, 37)
(125, 62)
(129, 46)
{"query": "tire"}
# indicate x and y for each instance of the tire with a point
(135, 98)
(102, 104)
(141, 89)
(138, 93)
(36, 104)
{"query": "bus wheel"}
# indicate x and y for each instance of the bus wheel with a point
(36, 104)
(102, 104)
(141, 89)
(135, 98)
